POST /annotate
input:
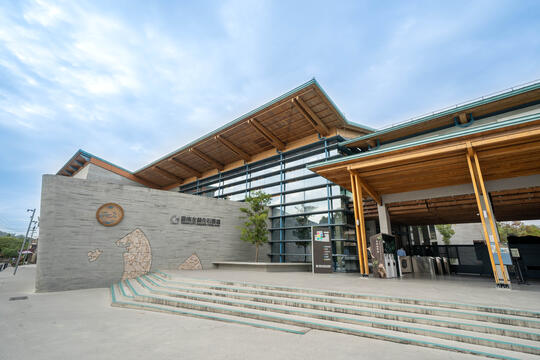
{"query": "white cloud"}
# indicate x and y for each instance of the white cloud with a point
(44, 13)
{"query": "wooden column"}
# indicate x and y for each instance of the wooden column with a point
(358, 208)
(478, 185)
(484, 227)
(491, 219)
(361, 186)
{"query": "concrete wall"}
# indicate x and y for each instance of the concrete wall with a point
(69, 231)
(97, 173)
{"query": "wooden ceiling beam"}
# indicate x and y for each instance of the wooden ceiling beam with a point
(312, 118)
(133, 177)
(168, 174)
(374, 194)
(235, 149)
(372, 143)
(207, 158)
(141, 180)
(185, 167)
(268, 135)
(463, 118)
(329, 105)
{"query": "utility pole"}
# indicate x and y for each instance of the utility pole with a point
(25, 238)
(31, 237)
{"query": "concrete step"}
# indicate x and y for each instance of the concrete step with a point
(142, 292)
(501, 342)
(122, 297)
(379, 298)
(520, 321)
(479, 327)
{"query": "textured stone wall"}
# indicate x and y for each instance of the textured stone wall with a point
(75, 251)
(95, 173)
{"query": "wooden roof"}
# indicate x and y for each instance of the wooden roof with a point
(83, 158)
(504, 151)
(477, 109)
(508, 205)
(77, 162)
(302, 112)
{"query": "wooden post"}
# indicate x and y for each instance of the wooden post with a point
(484, 227)
(491, 219)
(354, 190)
(360, 184)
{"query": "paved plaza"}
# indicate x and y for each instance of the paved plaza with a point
(81, 324)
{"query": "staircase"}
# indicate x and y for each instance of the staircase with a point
(493, 332)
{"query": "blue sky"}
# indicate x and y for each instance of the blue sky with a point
(130, 81)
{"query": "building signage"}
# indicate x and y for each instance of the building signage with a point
(109, 214)
(321, 249)
(194, 220)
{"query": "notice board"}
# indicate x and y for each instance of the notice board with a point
(321, 249)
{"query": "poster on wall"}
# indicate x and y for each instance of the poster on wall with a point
(321, 249)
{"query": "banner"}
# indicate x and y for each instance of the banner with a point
(321, 248)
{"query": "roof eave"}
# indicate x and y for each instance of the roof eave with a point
(312, 82)
(431, 140)
(469, 105)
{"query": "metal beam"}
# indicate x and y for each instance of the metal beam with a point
(235, 149)
(168, 174)
(273, 139)
(185, 167)
(207, 158)
(313, 119)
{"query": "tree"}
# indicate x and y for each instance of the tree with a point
(11, 245)
(516, 228)
(446, 231)
(255, 229)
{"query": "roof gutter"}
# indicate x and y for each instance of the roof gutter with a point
(484, 100)
(492, 126)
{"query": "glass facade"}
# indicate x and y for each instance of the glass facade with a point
(300, 199)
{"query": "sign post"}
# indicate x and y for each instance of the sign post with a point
(321, 250)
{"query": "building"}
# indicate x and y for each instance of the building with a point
(473, 162)
(301, 149)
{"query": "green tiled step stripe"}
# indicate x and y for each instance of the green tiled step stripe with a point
(425, 310)
(402, 300)
(362, 312)
(140, 306)
(325, 327)
(336, 318)
(162, 274)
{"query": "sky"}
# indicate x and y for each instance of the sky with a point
(130, 81)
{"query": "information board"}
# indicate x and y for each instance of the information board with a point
(321, 249)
